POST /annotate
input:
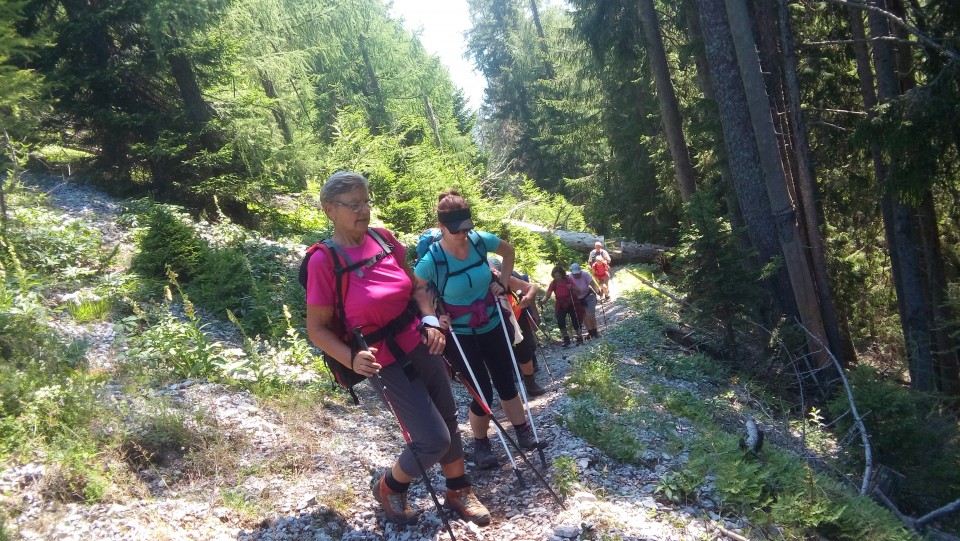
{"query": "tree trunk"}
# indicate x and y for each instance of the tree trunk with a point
(535, 13)
(947, 365)
(12, 178)
(898, 225)
(380, 119)
(840, 342)
(197, 108)
(271, 91)
(669, 108)
(582, 242)
(774, 177)
(943, 347)
(432, 120)
(741, 149)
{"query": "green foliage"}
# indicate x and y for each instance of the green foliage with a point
(225, 282)
(911, 433)
(56, 244)
(777, 489)
(601, 408)
(716, 280)
(528, 245)
(565, 475)
(595, 376)
(672, 487)
(169, 243)
(558, 253)
(156, 433)
(616, 439)
(176, 346)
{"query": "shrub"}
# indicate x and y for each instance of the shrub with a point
(169, 242)
(224, 282)
(909, 432)
(54, 243)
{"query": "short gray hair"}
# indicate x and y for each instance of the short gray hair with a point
(342, 182)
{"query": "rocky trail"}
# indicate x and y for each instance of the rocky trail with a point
(303, 472)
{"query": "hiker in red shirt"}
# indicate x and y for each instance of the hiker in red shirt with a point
(601, 272)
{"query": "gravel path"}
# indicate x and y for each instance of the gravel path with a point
(302, 473)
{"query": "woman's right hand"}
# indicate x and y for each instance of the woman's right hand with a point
(365, 362)
(445, 322)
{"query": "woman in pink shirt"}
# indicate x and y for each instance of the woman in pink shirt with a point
(412, 377)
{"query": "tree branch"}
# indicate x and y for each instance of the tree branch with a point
(851, 41)
(921, 37)
(858, 421)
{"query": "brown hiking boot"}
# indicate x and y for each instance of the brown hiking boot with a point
(465, 502)
(533, 388)
(483, 455)
(394, 503)
(525, 438)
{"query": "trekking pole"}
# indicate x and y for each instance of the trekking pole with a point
(523, 389)
(578, 321)
(603, 310)
(486, 409)
(536, 341)
(362, 344)
(476, 396)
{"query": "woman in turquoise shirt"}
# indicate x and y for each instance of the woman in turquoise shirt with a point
(457, 266)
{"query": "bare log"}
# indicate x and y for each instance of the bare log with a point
(582, 242)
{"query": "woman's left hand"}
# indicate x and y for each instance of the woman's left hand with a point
(435, 340)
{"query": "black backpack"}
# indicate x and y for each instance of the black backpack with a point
(342, 375)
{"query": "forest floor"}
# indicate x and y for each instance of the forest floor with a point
(300, 471)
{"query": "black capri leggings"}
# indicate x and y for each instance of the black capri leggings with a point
(489, 357)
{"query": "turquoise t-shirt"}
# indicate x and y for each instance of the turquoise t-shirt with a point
(470, 286)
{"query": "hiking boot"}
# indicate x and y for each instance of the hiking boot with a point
(394, 503)
(465, 502)
(533, 388)
(594, 333)
(483, 455)
(566, 341)
(525, 438)
(579, 340)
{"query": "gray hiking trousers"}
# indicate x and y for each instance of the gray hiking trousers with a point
(418, 391)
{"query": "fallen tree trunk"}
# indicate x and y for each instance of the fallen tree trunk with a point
(620, 252)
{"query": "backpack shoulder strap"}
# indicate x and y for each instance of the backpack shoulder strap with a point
(384, 238)
(477, 241)
(439, 260)
(334, 253)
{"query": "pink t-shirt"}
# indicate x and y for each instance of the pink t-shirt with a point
(581, 282)
(371, 301)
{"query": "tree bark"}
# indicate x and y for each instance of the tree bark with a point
(898, 227)
(278, 114)
(432, 120)
(669, 108)
(741, 149)
(774, 177)
(380, 119)
(582, 242)
(197, 108)
(840, 342)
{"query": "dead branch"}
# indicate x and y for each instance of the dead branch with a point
(952, 507)
(732, 535)
(858, 421)
(929, 42)
(893, 39)
(650, 284)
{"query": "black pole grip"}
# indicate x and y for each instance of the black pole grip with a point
(359, 340)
